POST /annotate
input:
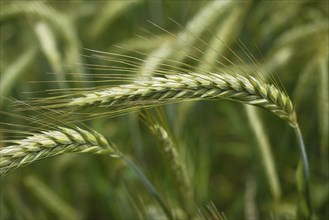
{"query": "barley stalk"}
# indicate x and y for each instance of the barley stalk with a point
(184, 87)
(51, 143)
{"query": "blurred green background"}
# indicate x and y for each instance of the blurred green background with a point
(217, 141)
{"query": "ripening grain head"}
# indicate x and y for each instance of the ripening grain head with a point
(166, 89)
(60, 140)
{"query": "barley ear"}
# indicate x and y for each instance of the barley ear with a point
(51, 143)
(178, 170)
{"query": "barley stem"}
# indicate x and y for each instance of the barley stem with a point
(306, 171)
(148, 185)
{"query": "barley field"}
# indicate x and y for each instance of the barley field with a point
(146, 109)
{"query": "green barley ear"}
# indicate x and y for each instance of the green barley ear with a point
(182, 87)
(174, 161)
(48, 143)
